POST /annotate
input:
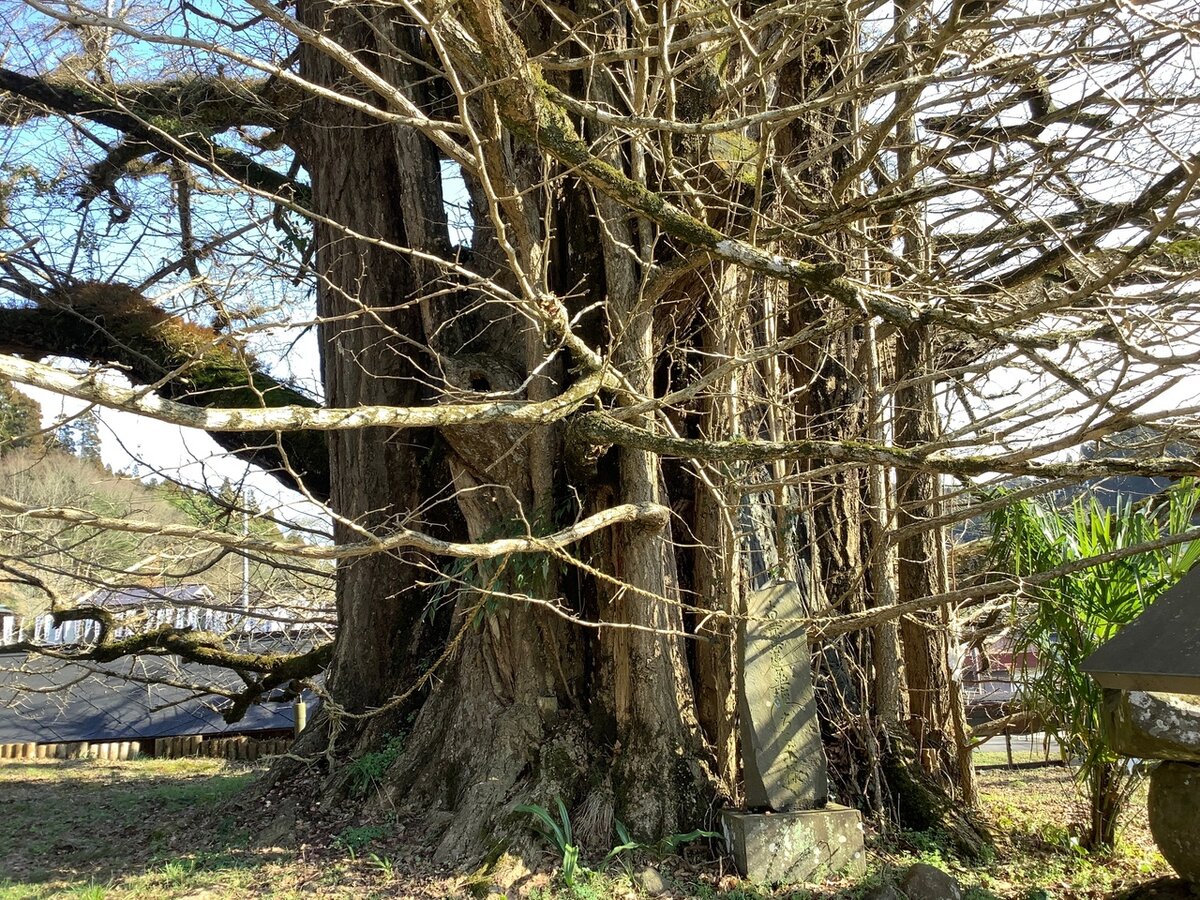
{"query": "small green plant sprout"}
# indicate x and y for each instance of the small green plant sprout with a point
(672, 842)
(665, 847)
(382, 865)
(366, 773)
(559, 834)
(627, 843)
(355, 838)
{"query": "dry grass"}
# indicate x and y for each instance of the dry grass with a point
(149, 829)
(1036, 814)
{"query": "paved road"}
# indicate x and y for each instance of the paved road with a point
(1025, 747)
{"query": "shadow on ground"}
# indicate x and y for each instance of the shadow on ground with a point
(100, 830)
(87, 819)
(1161, 889)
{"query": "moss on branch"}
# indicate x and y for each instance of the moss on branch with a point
(214, 102)
(552, 130)
(172, 117)
(601, 429)
(188, 363)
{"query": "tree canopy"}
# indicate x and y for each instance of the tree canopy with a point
(621, 311)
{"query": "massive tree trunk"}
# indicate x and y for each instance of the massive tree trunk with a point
(499, 695)
(361, 188)
(523, 705)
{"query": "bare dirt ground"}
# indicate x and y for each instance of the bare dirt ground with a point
(147, 829)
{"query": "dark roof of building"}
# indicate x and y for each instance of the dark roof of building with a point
(46, 700)
(1157, 651)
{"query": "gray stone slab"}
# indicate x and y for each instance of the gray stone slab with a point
(796, 847)
(1150, 725)
(782, 756)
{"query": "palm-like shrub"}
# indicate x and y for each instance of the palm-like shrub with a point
(1062, 620)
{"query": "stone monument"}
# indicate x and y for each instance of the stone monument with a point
(789, 831)
(782, 755)
(1150, 672)
(1155, 725)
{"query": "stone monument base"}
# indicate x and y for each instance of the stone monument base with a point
(1174, 812)
(793, 847)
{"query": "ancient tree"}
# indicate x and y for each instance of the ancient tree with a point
(623, 310)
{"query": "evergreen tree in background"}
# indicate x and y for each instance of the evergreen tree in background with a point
(80, 435)
(20, 420)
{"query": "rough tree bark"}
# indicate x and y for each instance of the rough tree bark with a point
(936, 719)
(526, 706)
(364, 295)
(925, 639)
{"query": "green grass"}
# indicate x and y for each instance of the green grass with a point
(1021, 757)
(149, 829)
(80, 828)
(1036, 817)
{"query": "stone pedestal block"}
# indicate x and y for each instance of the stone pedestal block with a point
(1174, 807)
(794, 847)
